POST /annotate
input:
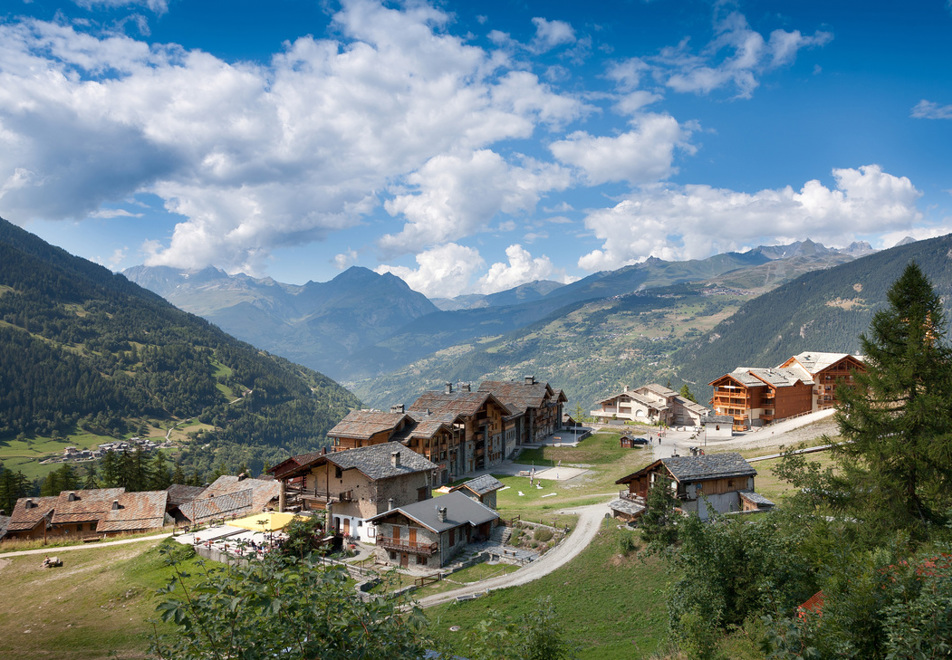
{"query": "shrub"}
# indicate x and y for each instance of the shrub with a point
(542, 534)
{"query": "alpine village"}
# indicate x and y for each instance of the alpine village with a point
(707, 467)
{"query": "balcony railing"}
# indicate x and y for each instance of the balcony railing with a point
(322, 495)
(401, 545)
(631, 497)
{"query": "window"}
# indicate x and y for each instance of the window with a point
(338, 473)
(393, 555)
(420, 560)
(452, 537)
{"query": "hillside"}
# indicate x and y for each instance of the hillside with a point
(86, 353)
(823, 310)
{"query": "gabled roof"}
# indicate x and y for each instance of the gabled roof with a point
(457, 402)
(460, 510)
(28, 512)
(485, 483)
(660, 390)
(698, 468)
(364, 424)
(374, 461)
(518, 395)
(638, 397)
(423, 430)
(78, 506)
(180, 494)
(224, 506)
(262, 491)
(137, 511)
(813, 362)
(693, 406)
(756, 498)
(774, 377)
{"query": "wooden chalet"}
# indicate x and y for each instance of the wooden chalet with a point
(431, 533)
(535, 410)
(479, 415)
(229, 497)
(705, 483)
(355, 484)
(30, 518)
(482, 489)
(804, 383)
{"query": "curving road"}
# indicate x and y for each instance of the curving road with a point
(589, 522)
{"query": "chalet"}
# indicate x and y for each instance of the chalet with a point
(711, 482)
(535, 410)
(30, 518)
(480, 418)
(356, 484)
(78, 512)
(804, 383)
(429, 534)
(651, 404)
(482, 489)
(229, 496)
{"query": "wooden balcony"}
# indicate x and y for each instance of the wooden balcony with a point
(401, 545)
(631, 497)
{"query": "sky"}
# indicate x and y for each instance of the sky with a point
(469, 147)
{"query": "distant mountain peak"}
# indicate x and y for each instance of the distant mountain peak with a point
(906, 241)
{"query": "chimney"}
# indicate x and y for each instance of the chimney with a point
(448, 388)
(71, 497)
(115, 505)
(398, 408)
(465, 387)
(626, 388)
(530, 380)
(441, 513)
(323, 451)
(395, 459)
(242, 476)
(390, 504)
(282, 496)
(29, 504)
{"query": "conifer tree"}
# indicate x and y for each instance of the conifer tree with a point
(896, 463)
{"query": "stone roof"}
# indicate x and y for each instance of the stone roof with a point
(427, 428)
(627, 507)
(78, 506)
(756, 498)
(693, 406)
(180, 494)
(364, 424)
(460, 510)
(375, 461)
(262, 491)
(815, 362)
(517, 395)
(28, 512)
(774, 377)
(456, 403)
(135, 512)
(708, 466)
(230, 505)
(485, 483)
(639, 398)
(660, 390)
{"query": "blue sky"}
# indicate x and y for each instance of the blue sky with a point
(470, 147)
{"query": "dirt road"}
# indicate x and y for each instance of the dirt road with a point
(589, 522)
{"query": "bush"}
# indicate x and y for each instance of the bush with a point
(542, 534)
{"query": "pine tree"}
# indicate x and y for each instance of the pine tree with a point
(687, 394)
(896, 463)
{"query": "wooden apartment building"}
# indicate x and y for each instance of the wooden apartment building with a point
(802, 384)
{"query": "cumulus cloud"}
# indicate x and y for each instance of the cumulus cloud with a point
(345, 259)
(735, 58)
(643, 154)
(259, 156)
(691, 222)
(458, 195)
(158, 6)
(521, 268)
(930, 110)
(550, 34)
(443, 272)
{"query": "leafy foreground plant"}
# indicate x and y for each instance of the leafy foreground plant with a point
(281, 607)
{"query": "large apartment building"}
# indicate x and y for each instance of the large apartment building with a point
(755, 396)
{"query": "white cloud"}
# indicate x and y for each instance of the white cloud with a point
(520, 269)
(345, 259)
(736, 57)
(691, 222)
(444, 271)
(456, 196)
(930, 110)
(259, 156)
(644, 154)
(158, 6)
(550, 34)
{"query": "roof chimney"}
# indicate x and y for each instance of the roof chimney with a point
(465, 387)
(441, 513)
(395, 459)
(115, 505)
(390, 504)
(397, 408)
(242, 476)
(71, 497)
(448, 388)
(530, 380)
(29, 504)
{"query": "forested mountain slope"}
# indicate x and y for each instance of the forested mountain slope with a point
(824, 310)
(84, 350)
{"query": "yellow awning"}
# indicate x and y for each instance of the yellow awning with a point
(268, 521)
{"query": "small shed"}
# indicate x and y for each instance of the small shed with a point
(718, 427)
(482, 489)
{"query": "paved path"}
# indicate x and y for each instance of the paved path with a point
(589, 522)
(55, 550)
